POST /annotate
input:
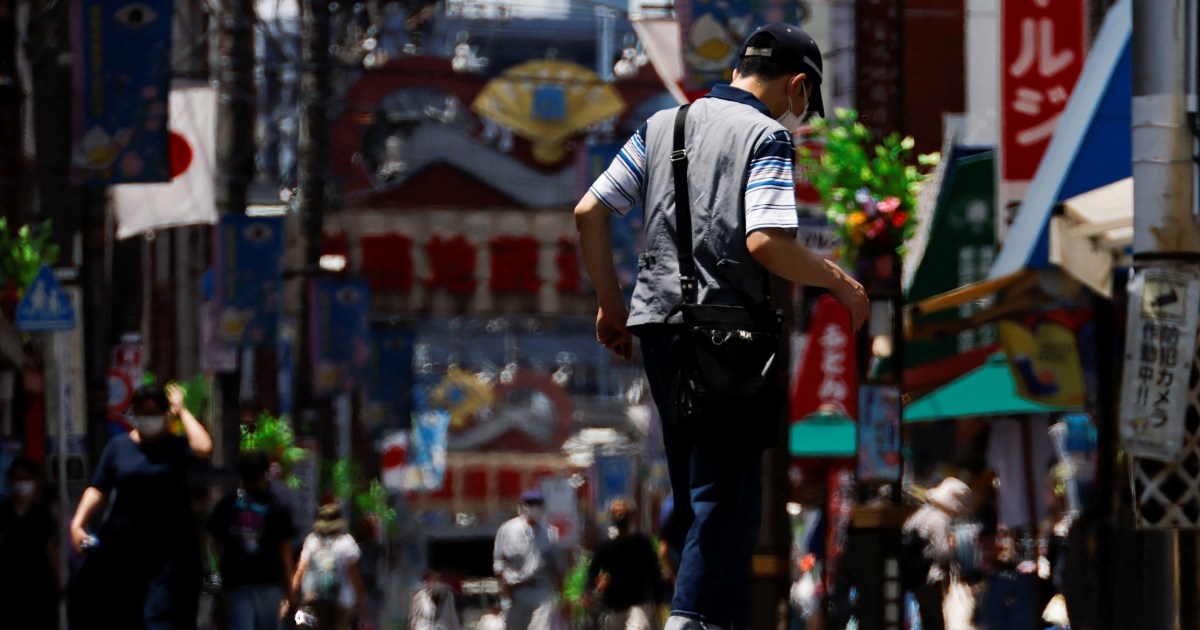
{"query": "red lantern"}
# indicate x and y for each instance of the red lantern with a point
(569, 279)
(514, 262)
(387, 261)
(451, 265)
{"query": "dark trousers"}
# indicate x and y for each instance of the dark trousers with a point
(718, 494)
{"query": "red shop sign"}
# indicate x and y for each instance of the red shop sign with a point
(1043, 47)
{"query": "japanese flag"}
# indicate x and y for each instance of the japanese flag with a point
(188, 198)
(394, 457)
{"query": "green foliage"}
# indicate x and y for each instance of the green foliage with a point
(273, 436)
(575, 587)
(853, 173)
(369, 499)
(23, 252)
(374, 502)
(195, 393)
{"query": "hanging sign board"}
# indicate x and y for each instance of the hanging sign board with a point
(1159, 349)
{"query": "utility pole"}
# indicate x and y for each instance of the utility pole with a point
(236, 109)
(1166, 234)
(313, 159)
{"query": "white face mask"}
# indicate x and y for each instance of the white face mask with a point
(791, 121)
(150, 426)
(24, 488)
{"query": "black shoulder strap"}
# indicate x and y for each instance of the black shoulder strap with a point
(683, 215)
(683, 209)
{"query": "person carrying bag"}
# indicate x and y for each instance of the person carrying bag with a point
(727, 360)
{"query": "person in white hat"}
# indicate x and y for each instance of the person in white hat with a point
(931, 525)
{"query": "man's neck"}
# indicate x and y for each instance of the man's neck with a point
(754, 86)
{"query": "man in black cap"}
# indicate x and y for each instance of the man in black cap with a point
(739, 152)
(529, 565)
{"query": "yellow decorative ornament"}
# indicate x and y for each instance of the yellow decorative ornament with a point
(462, 394)
(546, 102)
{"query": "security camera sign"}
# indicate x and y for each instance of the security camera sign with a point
(1160, 346)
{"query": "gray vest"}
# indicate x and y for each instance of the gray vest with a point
(720, 137)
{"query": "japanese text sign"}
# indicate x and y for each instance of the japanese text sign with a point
(1160, 345)
(828, 374)
(1042, 52)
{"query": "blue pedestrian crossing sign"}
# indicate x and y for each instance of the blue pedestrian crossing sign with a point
(45, 307)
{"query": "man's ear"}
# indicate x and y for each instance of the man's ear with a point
(797, 81)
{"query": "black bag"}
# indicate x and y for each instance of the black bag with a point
(729, 375)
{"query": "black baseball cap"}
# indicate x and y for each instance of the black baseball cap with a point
(796, 51)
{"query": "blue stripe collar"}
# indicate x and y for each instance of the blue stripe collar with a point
(737, 95)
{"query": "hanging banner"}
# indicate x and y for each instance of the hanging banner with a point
(122, 67)
(1160, 345)
(341, 334)
(561, 508)
(1043, 355)
(390, 380)
(427, 472)
(879, 433)
(828, 372)
(1043, 46)
(249, 286)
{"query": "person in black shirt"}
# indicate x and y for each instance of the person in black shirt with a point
(251, 531)
(143, 569)
(29, 582)
(625, 571)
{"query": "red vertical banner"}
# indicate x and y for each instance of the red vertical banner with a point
(828, 374)
(1043, 47)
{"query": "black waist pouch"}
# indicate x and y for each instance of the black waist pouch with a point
(727, 389)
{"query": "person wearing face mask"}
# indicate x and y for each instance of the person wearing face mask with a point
(142, 569)
(29, 580)
(530, 565)
(625, 571)
(737, 143)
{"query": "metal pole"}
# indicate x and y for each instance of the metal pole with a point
(314, 154)
(233, 67)
(1163, 227)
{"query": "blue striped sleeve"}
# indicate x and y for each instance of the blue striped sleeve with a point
(623, 185)
(770, 189)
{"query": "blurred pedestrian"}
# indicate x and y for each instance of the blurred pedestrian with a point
(930, 563)
(30, 584)
(143, 570)
(530, 566)
(327, 578)
(433, 605)
(626, 573)
(251, 532)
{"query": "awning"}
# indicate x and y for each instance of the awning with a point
(985, 391)
(1093, 233)
(1019, 290)
(823, 434)
(1091, 146)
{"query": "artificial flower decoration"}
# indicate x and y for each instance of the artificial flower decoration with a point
(869, 190)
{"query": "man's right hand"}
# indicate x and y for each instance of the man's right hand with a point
(79, 536)
(852, 295)
(611, 331)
